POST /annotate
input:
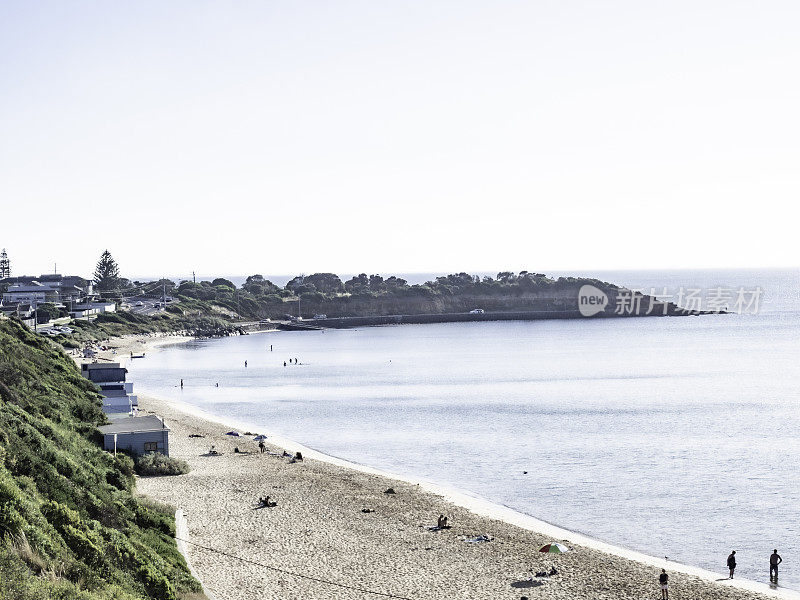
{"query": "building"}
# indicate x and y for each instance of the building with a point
(47, 288)
(82, 311)
(21, 310)
(101, 373)
(30, 293)
(118, 398)
(137, 435)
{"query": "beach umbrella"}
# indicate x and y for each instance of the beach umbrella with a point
(259, 438)
(234, 433)
(554, 548)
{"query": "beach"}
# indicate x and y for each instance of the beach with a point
(318, 542)
(318, 530)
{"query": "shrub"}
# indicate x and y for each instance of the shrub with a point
(155, 463)
(70, 528)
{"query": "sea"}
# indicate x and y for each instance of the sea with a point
(675, 436)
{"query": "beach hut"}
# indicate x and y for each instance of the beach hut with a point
(137, 435)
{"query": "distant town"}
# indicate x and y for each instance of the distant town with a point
(46, 302)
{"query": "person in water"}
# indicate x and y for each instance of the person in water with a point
(732, 563)
(774, 560)
(663, 581)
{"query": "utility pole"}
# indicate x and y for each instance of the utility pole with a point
(194, 279)
(35, 316)
(164, 292)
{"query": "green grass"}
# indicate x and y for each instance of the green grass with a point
(70, 525)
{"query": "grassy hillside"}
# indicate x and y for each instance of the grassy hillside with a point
(70, 526)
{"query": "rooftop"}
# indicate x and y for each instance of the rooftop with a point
(135, 425)
(99, 365)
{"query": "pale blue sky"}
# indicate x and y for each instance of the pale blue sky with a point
(244, 137)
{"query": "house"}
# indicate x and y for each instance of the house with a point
(118, 401)
(103, 372)
(21, 310)
(118, 398)
(30, 293)
(55, 287)
(81, 311)
(137, 435)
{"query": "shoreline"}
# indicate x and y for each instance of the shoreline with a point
(479, 508)
(492, 510)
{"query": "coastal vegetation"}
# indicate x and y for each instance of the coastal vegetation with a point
(71, 526)
(155, 463)
(107, 325)
(374, 295)
(218, 307)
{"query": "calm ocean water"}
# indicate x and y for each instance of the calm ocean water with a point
(677, 437)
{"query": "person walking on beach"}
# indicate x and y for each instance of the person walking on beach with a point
(181, 383)
(774, 560)
(261, 445)
(663, 581)
(732, 563)
(245, 364)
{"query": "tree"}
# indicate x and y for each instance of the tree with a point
(45, 312)
(327, 283)
(106, 273)
(224, 282)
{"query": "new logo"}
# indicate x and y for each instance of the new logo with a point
(591, 300)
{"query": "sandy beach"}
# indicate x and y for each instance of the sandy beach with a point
(335, 533)
(318, 529)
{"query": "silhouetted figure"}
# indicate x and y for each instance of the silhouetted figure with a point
(663, 581)
(261, 446)
(284, 363)
(270, 347)
(181, 383)
(774, 560)
(245, 364)
(732, 563)
(217, 384)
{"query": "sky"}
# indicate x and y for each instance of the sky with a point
(297, 137)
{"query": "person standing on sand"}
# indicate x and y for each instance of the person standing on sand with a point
(245, 363)
(774, 560)
(732, 563)
(663, 581)
(181, 383)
